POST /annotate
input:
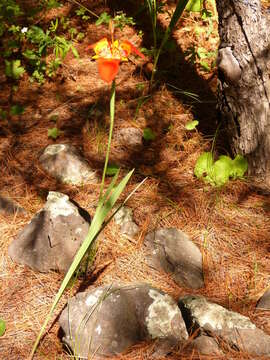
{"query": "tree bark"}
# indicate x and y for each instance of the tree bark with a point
(244, 84)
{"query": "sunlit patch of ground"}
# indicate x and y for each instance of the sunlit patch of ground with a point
(230, 225)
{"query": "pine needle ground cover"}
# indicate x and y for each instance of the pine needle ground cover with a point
(230, 224)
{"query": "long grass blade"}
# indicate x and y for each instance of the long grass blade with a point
(95, 227)
(180, 7)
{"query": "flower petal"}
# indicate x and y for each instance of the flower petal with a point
(102, 45)
(108, 69)
(128, 48)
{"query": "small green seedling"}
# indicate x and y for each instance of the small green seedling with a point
(53, 133)
(82, 13)
(3, 114)
(14, 69)
(148, 134)
(2, 327)
(16, 110)
(112, 169)
(191, 125)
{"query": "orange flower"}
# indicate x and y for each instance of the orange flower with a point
(110, 54)
(108, 69)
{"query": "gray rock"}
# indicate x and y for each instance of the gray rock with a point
(124, 219)
(211, 316)
(131, 138)
(264, 302)
(130, 229)
(109, 319)
(205, 345)
(53, 236)
(8, 206)
(63, 162)
(233, 328)
(172, 251)
(252, 341)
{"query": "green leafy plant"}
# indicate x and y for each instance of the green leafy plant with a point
(112, 169)
(3, 114)
(82, 13)
(104, 18)
(148, 134)
(218, 173)
(194, 5)
(52, 4)
(54, 133)
(120, 20)
(2, 327)
(205, 58)
(44, 41)
(153, 10)
(14, 69)
(16, 109)
(191, 125)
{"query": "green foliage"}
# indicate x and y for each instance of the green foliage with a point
(54, 25)
(201, 56)
(148, 134)
(240, 166)
(120, 20)
(9, 9)
(37, 42)
(53, 133)
(191, 125)
(82, 13)
(221, 171)
(17, 109)
(14, 69)
(3, 114)
(218, 173)
(2, 327)
(112, 169)
(52, 4)
(203, 165)
(104, 18)
(194, 5)
(153, 10)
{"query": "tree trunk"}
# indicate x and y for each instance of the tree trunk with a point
(244, 85)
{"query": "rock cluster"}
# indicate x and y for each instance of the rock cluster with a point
(109, 319)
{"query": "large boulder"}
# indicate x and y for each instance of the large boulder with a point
(53, 236)
(110, 319)
(172, 251)
(63, 162)
(231, 327)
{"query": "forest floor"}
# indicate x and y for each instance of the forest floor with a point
(231, 225)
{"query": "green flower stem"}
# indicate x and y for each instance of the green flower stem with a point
(180, 7)
(112, 111)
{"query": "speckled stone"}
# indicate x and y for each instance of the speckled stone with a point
(231, 327)
(53, 236)
(172, 251)
(108, 320)
(63, 162)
